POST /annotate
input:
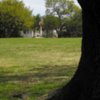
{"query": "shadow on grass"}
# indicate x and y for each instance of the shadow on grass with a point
(41, 73)
(35, 82)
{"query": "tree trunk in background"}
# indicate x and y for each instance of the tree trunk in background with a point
(85, 85)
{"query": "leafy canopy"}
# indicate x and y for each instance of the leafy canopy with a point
(14, 17)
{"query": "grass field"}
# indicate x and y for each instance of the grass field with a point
(35, 67)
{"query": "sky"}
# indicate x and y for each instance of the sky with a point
(38, 6)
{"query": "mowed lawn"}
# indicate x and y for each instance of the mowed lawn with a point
(32, 68)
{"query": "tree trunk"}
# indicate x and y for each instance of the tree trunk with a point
(85, 84)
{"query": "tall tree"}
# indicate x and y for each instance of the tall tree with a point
(85, 85)
(51, 23)
(72, 25)
(14, 17)
(61, 9)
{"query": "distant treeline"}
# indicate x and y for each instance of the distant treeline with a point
(62, 16)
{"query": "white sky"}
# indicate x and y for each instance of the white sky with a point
(38, 6)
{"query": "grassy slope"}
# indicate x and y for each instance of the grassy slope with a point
(36, 66)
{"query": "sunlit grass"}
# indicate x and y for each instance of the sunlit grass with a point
(36, 66)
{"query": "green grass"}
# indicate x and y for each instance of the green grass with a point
(35, 67)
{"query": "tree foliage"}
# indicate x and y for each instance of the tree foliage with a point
(51, 23)
(72, 25)
(69, 16)
(60, 7)
(14, 17)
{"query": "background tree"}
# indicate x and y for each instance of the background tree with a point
(72, 26)
(51, 23)
(65, 10)
(14, 17)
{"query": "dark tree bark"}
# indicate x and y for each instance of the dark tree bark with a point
(85, 84)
